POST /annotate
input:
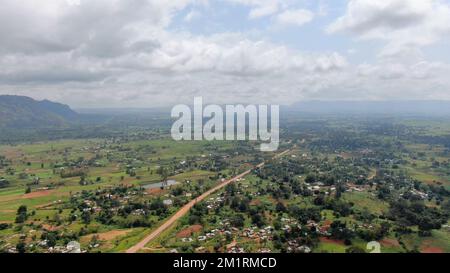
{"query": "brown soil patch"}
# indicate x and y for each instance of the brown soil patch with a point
(156, 191)
(390, 243)
(432, 250)
(427, 247)
(331, 241)
(37, 194)
(127, 181)
(12, 153)
(50, 227)
(232, 244)
(255, 202)
(185, 233)
(44, 206)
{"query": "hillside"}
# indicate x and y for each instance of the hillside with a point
(23, 112)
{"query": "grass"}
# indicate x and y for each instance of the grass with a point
(330, 248)
(366, 200)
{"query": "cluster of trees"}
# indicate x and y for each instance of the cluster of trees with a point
(340, 140)
(340, 231)
(407, 213)
(197, 213)
(73, 172)
(303, 215)
(112, 211)
(4, 162)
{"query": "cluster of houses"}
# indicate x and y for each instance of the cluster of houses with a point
(70, 248)
(357, 188)
(255, 233)
(319, 186)
(235, 250)
(420, 194)
(321, 229)
(263, 234)
(214, 202)
(295, 247)
(9, 248)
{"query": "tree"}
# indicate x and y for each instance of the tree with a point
(237, 220)
(94, 240)
(280, 207)
(446, 206)
(384, 192)
(330, 181)
(86, 217)
(355, 249)
(164, 173)
(21, 247)
(22, 215)
(310, 179)
(57, 219)
(83, 180)
(22, 209)
(258, 220)
(339, 190)
(340, 231)
(51, 239)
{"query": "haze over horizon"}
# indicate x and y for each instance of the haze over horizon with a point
(142, 53)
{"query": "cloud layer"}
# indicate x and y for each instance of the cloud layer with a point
(136, 53)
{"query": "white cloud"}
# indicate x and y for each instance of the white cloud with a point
(403, 24)
(87, 59)
(126, 53)
(263, 11)
(297, 17)
(193, 14)
(260, 8)
(236, 55)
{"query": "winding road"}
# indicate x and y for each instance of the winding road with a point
(185, 209)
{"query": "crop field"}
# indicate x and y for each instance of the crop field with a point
(336, 189)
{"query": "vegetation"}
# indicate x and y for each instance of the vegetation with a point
(344, 183)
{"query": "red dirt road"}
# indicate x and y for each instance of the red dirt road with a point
(185, 209)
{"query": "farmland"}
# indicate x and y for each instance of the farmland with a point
(342, 184)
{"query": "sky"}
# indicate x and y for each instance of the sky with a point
(152, 53)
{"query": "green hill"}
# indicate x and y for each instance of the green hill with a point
(21, 112)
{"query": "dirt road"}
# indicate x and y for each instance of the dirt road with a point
(185, 209)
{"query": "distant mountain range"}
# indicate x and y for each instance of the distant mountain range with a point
(20, 112)
(418, 108)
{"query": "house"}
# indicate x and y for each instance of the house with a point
(168, 202)
(303, 249)
(201, 249)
